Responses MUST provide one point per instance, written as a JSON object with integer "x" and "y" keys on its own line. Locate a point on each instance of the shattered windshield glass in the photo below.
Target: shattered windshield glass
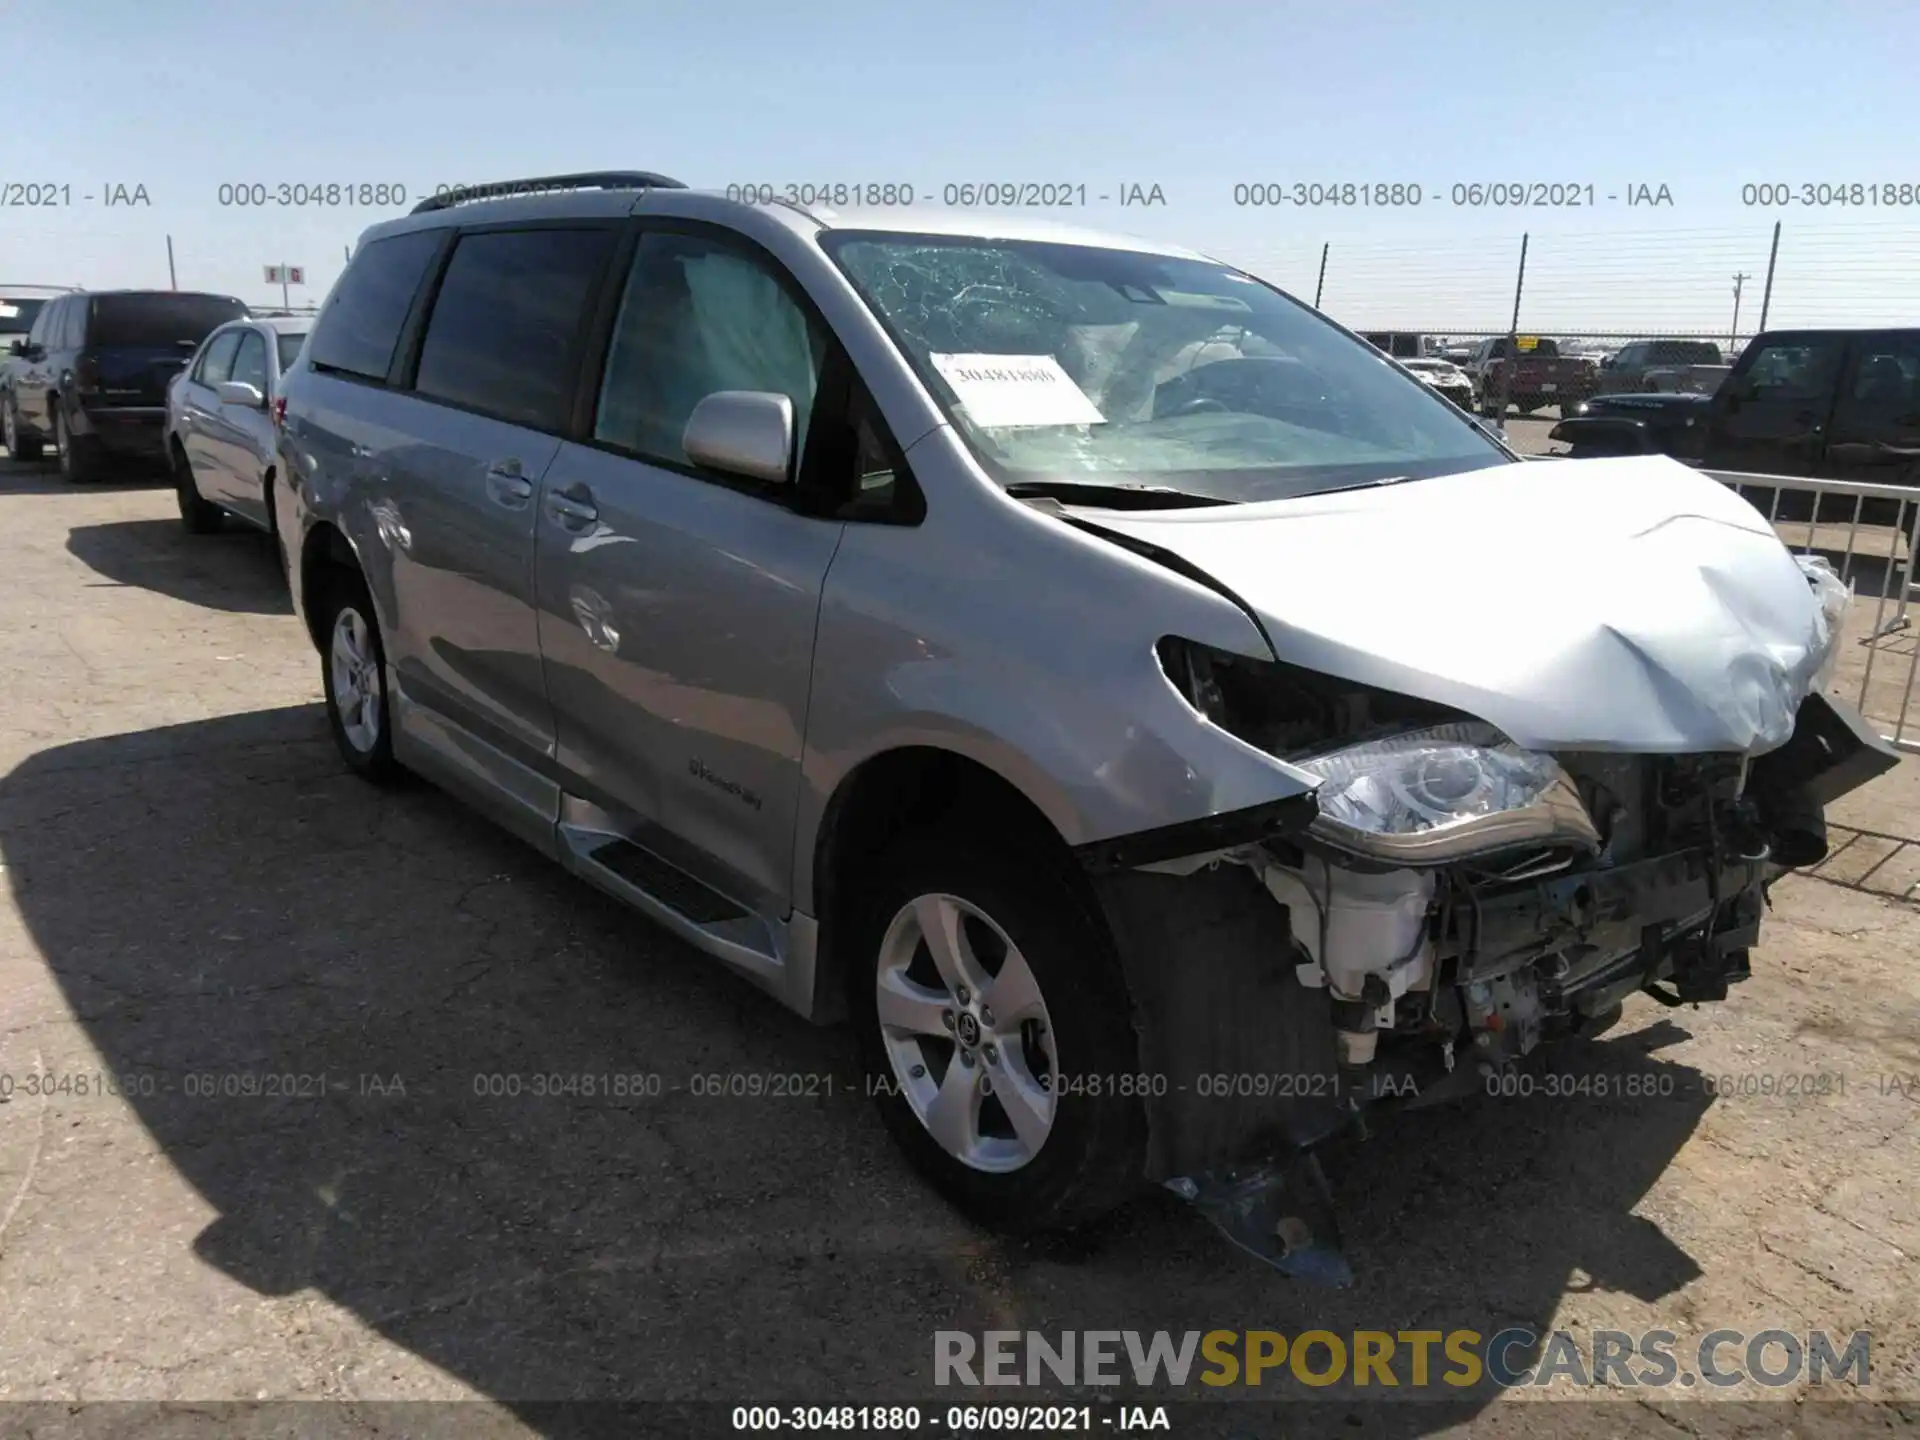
{"x": 1079, "y": 363}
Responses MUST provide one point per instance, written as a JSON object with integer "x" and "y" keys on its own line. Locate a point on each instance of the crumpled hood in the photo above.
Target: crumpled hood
{"x": 1626, "y": 604}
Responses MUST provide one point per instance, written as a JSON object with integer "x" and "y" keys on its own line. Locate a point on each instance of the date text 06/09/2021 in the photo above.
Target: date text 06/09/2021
{"x": 1472, "y": 195}
{"x": 952, "y": 194}
{"x": 950, "y": 1419}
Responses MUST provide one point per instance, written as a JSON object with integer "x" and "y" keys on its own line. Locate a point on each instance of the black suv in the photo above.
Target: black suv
{"x": 92, "y": 374}
{"x": 1811, "y": 404}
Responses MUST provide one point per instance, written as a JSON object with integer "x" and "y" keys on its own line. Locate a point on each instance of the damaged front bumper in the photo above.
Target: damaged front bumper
{"x": 1283, "y": 989}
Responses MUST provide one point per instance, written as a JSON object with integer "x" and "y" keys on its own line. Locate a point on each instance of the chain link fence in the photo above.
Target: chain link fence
{"x": 1721, "y": 284}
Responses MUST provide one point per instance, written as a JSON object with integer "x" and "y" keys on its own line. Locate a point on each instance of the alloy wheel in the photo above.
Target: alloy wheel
{"x": 967, "y": 1033}
{"x": 357, "y": 683}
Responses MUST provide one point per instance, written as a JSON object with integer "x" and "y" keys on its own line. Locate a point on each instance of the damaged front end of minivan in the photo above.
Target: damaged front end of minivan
{"x": 1442, "y": 902}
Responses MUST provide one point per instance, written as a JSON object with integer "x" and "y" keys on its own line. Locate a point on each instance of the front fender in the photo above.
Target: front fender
{"x": 1032, "y": 652}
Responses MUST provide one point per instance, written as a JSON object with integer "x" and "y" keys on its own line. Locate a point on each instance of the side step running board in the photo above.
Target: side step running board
{"x": 690, "y": 908}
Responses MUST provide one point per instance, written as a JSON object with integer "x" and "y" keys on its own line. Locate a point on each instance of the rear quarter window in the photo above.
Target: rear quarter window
{"x": 360, "y": 328}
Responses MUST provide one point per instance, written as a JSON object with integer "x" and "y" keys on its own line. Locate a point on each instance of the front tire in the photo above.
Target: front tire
{"x": 353, "y": 666}
{"x": 199, "y": 515}
{"x": 996, "y": 1033}
{"x": 19, "y": 446}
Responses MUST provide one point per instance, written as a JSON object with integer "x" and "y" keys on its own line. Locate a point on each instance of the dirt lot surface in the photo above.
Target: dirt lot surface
{"x": 199, "y": 901}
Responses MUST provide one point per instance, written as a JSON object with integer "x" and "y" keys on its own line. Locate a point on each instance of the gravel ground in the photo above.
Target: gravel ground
{"x": 197, "y": 894}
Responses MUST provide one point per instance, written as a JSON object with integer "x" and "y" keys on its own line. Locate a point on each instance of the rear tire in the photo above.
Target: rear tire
{"x": 353, "y": 669}
{"x": 200, "y": 515}
{"x": 79, "y": 460}
{"x": 1052, "y": 1056}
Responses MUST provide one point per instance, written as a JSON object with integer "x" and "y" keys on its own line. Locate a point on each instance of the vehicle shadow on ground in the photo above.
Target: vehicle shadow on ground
{"x": 235, "y": 569}
{"x": 411, "y": 971}
{"x": 42, "y": 477}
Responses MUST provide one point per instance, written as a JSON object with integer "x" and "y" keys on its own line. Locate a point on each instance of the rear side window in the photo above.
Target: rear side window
{"x": 69, "y": 325}
{"x": 163, "y": 318}
{"x": 289, "y": 346}
{"x": 503, "y": 338}
{"x": 43, "y": 325}
{"x": 217, "y": 364}
{"x": 361, "y": 327}
{"x": 250, "y": 361}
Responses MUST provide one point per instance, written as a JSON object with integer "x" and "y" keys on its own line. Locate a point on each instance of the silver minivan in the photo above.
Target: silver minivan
{"x": 1163, "y": 728}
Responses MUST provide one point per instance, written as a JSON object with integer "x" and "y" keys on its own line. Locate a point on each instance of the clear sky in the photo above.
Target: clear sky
{"x": 1698, "y": 96}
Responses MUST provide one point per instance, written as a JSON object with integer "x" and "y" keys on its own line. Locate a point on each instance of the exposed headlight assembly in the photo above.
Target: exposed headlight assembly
{"x": 1428, "y": 797}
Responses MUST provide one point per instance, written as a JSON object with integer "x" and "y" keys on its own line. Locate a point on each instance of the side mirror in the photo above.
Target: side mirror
{"x": 18, "y": 347}
{"x": 742, "y": 432}
{"x": 1606, "y": 362}
{"x": 238, "y": 392}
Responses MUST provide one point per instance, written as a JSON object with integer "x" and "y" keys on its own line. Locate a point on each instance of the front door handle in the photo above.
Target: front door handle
{"x": 572, "y": 507}
{"x": 507, "y": 485}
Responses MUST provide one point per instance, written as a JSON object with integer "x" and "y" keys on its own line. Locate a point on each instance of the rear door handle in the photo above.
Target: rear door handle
{"x": 507, "y": 485}
{"x": 572, "y": 507}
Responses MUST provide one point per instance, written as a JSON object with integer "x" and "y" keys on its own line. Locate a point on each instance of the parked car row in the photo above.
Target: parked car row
{"x": 127, "y": 376}
{"x": 90, "y": 377}
{"x": 1103, "y": 681}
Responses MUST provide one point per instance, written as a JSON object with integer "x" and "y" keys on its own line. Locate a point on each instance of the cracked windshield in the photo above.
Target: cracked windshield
{"x": 1124, "y": 368}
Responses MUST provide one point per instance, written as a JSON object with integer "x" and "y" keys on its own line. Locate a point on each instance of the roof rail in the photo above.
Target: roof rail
{"x": 587, "y": 180}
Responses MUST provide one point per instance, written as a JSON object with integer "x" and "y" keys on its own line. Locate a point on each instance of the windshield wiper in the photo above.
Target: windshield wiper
{"x": 1367, "y": 485}
{"x": 1111, "y": 497}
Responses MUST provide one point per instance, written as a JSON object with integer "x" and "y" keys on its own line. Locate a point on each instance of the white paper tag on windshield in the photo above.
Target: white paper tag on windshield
{"x": 1010, "y": 390}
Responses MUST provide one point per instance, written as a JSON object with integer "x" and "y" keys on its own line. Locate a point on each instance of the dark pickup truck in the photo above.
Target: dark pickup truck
{"x": 1818, "y": 404}
{"x": 1542, "y": 376}
{"x": 1650, "y": 367}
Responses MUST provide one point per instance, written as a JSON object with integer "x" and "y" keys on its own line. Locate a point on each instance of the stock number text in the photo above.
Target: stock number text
{"x": 332, "y": 194}
{"x": 1865, "y": 195}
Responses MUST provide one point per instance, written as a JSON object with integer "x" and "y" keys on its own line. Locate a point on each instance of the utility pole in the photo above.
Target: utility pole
{"x": 1738, "y": 281}
{"x": 1766, "y": 297}
{"x": 173, "y": 281}
{"x": 1513, "y": 340}
{"x": 1321, "y": 283}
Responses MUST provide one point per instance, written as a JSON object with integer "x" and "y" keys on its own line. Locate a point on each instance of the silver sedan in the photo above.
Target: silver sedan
{"x": 220, "y": 423}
